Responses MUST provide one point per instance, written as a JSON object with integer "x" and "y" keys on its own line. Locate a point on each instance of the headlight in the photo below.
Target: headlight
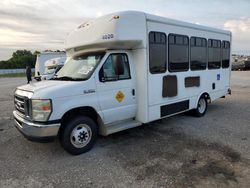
{"x": 41, "y": 109}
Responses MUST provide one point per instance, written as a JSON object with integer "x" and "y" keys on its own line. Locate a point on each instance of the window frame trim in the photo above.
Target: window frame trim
{"x": 199, "y": 47}
{"x": 188, "y": 45}
{"x": 166, "y": 50}
{"x": 214, "y": 48}
{"x": 115, "y": 53}
{"x": 222, "y": 54}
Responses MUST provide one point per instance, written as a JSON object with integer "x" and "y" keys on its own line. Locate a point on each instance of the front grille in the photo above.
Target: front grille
{"x": 19, "y": 122}
{"x": 22, "y": 105}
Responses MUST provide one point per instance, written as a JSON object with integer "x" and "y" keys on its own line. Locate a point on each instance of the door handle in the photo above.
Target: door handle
{"x": 133, "y": 92}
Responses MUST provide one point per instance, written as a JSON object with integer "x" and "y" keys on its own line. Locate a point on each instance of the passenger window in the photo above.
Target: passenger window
{"x": 214, "y": 54}
{"x": 198, "y": 53}
{"x": 178, "y": 53}
{"x": 116, "y": 67}
{"x": 225, "y": 54}
{"x": 157, "y": 52}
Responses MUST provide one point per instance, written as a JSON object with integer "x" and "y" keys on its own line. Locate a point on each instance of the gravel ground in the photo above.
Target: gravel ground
{"x": 181, "y": 151}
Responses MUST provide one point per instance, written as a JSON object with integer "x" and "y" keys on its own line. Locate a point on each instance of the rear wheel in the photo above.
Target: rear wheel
{"x": 79, "y": 135}
{"x": 201, "y": 107}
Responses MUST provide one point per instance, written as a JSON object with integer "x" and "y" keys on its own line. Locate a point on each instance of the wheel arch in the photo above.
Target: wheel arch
{"x": 85, "y": 111}
{"x": 203, "y": 94}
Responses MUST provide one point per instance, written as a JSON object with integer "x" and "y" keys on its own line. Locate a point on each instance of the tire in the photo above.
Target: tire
{"x": 201, "y": 107}
{"x": 79, "y": 135}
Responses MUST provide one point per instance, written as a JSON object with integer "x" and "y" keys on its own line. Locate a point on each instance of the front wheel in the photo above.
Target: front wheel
{"x": 201, "y": 107}
{"x": 79, "y": 135}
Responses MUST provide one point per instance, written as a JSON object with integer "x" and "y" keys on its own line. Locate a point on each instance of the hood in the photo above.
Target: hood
{"x": 37, "y": 86}
{"x": 56, "y": 88}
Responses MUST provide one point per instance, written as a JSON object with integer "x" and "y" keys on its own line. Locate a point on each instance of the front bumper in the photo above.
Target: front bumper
{"x": 36, "y": 131}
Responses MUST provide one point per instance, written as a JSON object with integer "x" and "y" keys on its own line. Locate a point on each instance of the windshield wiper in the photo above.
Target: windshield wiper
{"x": 62, "y": 78}
{"x": 68, "y": 78}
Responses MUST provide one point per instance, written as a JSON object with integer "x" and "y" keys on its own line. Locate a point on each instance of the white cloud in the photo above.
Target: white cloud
{"x": 99, "y": 13}
{"x": 40, "y": 25}
{"x": 16, "y": 37}
{"x": 240, "y": 29}
{"x": 35, "y": 25}
{"x": 240, "y": 25}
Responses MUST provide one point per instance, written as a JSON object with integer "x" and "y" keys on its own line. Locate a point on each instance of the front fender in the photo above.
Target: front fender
{"x": 65, "y": 104}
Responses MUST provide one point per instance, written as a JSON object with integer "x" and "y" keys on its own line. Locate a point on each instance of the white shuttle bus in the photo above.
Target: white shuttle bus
{"x": 41, "y": 59}
{"x": 52, "y": 66}
{"x": 123, "y": 70}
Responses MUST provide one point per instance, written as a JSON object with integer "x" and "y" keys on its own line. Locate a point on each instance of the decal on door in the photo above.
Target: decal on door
{"x": 119, "y": 96}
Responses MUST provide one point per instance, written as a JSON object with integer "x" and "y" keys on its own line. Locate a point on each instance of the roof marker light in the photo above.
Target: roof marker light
{"x": 114, "y": 18}
{"x": 85, "y": 24}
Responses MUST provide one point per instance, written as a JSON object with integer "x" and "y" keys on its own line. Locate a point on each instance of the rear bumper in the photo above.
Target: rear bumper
{"x": 36, "y": 131}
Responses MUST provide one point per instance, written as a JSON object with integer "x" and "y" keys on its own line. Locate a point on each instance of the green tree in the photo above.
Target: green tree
{"x": 19, "y": 59}
{"x": 36, "y": 52}
{"x": 20, "y": 53}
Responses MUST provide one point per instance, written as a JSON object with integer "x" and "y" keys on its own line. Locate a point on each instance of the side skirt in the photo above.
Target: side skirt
{"x": 119, "y": 126}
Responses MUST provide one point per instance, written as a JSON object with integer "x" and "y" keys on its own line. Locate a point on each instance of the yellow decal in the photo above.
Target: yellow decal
{"x": 119, "y": 96}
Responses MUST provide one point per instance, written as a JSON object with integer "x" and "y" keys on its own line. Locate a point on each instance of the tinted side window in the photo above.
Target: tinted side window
{"x": 214, "y": 54}
{"x": 157, "y": 52}
{"x": 178, "y": 53}
{"x": 225, "y": 54}
{"x": 116, "y": 67}
{"x": 198, "y": 53}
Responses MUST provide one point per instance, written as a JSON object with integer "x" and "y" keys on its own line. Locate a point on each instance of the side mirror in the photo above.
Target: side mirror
{"x": 101, "y": 76}
{"x": 118, "y": 64}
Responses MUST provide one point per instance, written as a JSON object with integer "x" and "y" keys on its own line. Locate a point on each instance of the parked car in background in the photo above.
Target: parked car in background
{"x": 243, "y": 65}
{"x": 237, "y": 66}
{"x": 52, "y": 66}
{"x": 247, "y": 65}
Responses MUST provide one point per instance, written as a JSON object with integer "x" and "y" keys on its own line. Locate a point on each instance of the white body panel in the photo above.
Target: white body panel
{"x": 65, "y": 95}
{"x": 207, "y": 77}
{"x": 126, "y": 32}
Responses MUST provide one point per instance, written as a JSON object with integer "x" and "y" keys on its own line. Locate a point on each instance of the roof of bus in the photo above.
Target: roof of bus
{"x": 170, "y": 21}
{"x": 125, "y": 29}
{"x": 55, "y": 61}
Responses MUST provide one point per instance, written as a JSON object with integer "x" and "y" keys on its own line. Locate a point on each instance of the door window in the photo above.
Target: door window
{"x": 116, "y": 67}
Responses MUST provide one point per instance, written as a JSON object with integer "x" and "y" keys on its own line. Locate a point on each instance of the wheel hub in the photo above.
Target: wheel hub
{"x": 202, "y": 105}
{"x": 80, "y": 135}
{"x": 83, "y": 136}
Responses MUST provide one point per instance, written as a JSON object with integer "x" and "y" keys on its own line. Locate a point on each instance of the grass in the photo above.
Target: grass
{"x": 14, "y": 75}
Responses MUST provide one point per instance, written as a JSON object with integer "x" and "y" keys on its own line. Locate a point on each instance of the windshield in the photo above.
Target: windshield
{"x": 49, "y": 70}
{"x": 79, "y": 67}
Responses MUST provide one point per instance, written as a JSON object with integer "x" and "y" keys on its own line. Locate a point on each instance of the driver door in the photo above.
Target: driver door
{"x": 116, "y": 88}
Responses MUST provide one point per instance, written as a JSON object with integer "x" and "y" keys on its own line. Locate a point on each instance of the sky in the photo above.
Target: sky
{"x": 40, "y": 25}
